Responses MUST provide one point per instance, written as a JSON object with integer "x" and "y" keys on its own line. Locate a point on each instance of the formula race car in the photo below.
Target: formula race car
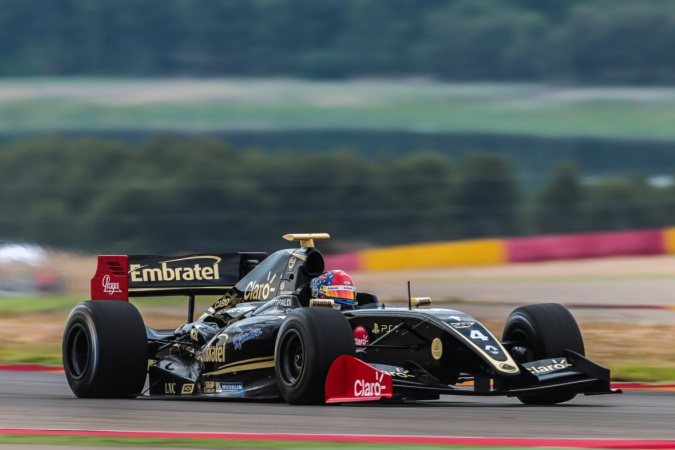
{"x": 267, "y": 338}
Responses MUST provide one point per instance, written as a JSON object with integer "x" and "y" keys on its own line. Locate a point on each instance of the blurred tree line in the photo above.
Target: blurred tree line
{"x": 201, "y": 194}
{"x": 575, "y": 41}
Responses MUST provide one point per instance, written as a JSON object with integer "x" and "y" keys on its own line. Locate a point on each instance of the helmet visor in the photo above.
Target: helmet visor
{"x": 343, "y": 292}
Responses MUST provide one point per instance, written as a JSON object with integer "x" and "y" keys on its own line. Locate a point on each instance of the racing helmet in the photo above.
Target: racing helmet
{"x": 335, "y": 285}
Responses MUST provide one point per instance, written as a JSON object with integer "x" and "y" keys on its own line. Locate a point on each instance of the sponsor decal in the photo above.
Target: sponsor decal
{"x": 400, "y": 373}
{"x": 507, "y": 367}
{"x": 169, "y": 388}
{"x": 213, "y": 387}
{"x": 462, "y": 324}
{"x": 492, "y": 349}
{"x": 213, "y": 353}
{"x": 194, "y": 335}
{"x": 361, "y": 338}
{"x": 188, "y": 388}
{"x": 436, "y": 348}
{"x": 363, "y": 388}
{"x": 555, "y": 365}
{"x": 204, "y": 268}
{"x": 260, "y": 291}
{"x": 230, "y": 387}
{"x": 377, "y": 329}
{"x": 323, "y": 303}
{"x": 224, "y": 301}
{"x": 291, "y": 263}
{"x": 110, "y": 287}
{"x": 210, "y": 387}
{"x": 283, "y": 302}
{"x": 240, "y": 310}
{"x": 240, "y": 338}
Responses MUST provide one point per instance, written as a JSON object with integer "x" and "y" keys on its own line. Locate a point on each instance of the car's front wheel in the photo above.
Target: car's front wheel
{"x": 105, "y": 350}
{"x": 309, "y": 340}
{"x": 542, "y": 331}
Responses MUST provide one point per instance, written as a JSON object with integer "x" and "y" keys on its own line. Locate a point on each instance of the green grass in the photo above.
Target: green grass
{"x": 630, "y": 373}
{"x": 23, "y": 305}
{"x": 46, "y": 354}
{"x": 28, "y": 304}
{"x": 535, "y": 110}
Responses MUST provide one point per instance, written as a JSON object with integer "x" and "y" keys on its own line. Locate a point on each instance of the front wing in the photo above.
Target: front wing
{"x": 352, "y": 380}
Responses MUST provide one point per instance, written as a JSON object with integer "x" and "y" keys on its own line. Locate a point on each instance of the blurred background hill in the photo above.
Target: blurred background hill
{"x": 597, "y": 41}
{"x": 137, "y": 126}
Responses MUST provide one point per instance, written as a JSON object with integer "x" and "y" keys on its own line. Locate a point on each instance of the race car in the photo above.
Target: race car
{"x": 267, "y": 338}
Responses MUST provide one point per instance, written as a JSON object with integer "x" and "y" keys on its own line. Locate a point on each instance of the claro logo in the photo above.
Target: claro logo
{"x": 182, "y": 269}
{"x": 363, "y": 388}
{"x": 260, "y": 291}
{"x": 555, "y": 365}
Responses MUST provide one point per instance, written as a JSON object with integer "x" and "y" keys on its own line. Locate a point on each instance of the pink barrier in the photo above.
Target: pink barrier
{"x": 347, "y": 261}
{"x": 579, "y": 246}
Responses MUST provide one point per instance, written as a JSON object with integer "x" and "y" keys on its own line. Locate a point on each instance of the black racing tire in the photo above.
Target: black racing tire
{"x": 105, "y": 350}
{"x": 309, "y": 340}
{"x": 542, "y": 331}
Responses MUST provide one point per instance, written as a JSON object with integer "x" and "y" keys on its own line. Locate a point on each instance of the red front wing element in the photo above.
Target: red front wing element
{"x": 351, "y": 380}
{"x": 111, "y": 281}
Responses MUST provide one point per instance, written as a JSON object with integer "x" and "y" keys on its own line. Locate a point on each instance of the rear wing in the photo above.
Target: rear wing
{"x": 119, "y": 277}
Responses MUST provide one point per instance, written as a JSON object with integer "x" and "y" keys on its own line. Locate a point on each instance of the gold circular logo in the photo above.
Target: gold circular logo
{"x": 436, "y": 348}
{"x": 508, "y": 367}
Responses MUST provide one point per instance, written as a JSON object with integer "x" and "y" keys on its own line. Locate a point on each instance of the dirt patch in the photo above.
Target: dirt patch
{"x": 617, "y": 344}
{"x": 21, "y": 329}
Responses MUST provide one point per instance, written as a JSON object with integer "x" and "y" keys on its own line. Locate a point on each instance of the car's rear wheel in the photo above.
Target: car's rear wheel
{"x": 105, "y": 350}
{"x": 309, "y": 340}
{"x": 542, "y": 331}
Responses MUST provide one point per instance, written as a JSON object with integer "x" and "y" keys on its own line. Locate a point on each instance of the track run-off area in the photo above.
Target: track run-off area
{"x": 622, "y": 291}
{"x": 41, "y": 403}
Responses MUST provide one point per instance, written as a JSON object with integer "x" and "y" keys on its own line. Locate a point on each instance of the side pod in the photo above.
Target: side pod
{"x": 351, "y": 380}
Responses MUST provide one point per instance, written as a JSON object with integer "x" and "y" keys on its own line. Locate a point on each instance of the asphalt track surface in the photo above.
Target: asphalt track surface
{"x": 33, "y": 400}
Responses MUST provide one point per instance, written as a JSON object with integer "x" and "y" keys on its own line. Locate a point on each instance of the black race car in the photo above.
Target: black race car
{"x": 266, "y": 338}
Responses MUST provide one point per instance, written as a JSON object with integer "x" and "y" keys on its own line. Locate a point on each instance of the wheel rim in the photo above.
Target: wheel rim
{"x": 292, "y": 358}
{"x": 521, "y": 349}
{"x": 78, "y": 351}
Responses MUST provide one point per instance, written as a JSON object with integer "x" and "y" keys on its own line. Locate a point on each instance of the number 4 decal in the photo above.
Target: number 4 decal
{"x": 476, "y": 334}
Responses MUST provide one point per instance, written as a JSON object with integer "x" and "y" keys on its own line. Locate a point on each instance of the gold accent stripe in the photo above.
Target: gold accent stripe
{"x": 246, "y": 364}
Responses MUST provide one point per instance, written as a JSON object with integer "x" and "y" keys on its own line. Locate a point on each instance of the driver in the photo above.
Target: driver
{"x": 335, "y": 285}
